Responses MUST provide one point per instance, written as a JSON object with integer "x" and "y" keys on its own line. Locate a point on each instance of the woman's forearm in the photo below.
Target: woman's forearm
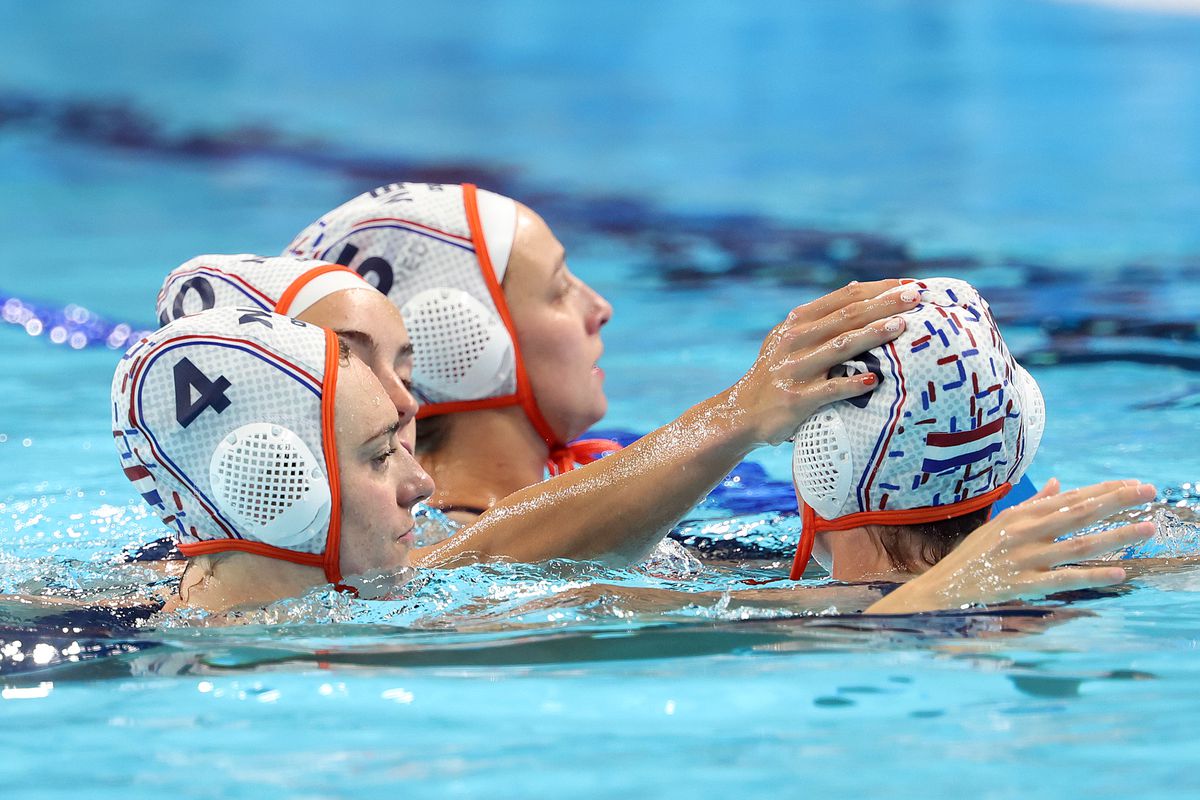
{"x": 620, "y": 507}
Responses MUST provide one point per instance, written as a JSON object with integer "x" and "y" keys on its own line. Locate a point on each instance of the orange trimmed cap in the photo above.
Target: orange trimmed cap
{"x": 951, "y": 426}
{"x": 440, "y": 253}
{"x": 284, "y": 285}
{"x": 223, "y": 422}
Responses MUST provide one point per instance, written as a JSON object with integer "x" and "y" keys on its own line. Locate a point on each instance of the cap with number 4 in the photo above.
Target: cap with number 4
{"x": 223, "y": 421}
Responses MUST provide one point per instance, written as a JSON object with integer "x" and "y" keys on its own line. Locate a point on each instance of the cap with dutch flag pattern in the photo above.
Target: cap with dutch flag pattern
{"x": 952, "y": 425}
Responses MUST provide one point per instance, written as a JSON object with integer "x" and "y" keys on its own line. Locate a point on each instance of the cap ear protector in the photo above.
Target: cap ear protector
{"x": 267, "y": 480}
{"x": 953, "y": 423}
{"x": 823, "y": 462}
{"x": 1033, "y": 418}
{"x": 224, "y": 423}
{"x": 461, "y": 350}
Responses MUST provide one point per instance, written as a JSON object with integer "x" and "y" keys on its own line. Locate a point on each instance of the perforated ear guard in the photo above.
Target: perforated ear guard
{"x": 267, "y": 479}
{"x": 1033, "y": 411}
{"x": 823, "y": 462}
{"x": 462, "y": 350}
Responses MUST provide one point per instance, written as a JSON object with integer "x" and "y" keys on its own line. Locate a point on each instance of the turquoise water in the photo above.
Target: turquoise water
{"x": 708, "y": 167}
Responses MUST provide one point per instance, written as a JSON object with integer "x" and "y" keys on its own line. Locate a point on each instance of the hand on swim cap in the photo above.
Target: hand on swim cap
{"x": 954, "y": 421}
{"x": 1017, "y": 554}
{"x": 790, "y": 379}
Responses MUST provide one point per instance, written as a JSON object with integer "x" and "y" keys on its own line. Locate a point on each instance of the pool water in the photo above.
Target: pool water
{"x": 708, "y": 167}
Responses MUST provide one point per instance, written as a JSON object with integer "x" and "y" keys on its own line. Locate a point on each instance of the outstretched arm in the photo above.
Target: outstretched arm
{"x": 1015, "y": 555}
{"x": 618, "y": 508}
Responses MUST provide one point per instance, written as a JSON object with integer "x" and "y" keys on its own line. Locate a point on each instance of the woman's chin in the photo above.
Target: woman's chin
{"x": 599, "y": 409}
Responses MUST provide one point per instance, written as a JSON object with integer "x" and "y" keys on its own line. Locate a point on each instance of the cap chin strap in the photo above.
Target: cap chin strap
{"x": 578, "y": 453}
{"x": 812, "y": 524}
{"x": 563, "y": 457}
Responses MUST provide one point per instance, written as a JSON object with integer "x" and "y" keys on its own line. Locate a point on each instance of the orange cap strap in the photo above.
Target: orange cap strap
{"x": 813, "y": 524}
{"x": 577, "y": 453}
{"x": 333, "y": 540}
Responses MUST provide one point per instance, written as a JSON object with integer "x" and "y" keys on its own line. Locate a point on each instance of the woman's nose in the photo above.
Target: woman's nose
{"x": 418, "y": 485}
{"x": 601, "y": 312}
{"x": 406, "y": 405}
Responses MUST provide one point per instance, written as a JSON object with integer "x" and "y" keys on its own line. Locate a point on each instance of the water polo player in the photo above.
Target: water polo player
{"x": 270, "y": 453}
{"x": 507, "y": 338}
{"x": 888, "y": 483}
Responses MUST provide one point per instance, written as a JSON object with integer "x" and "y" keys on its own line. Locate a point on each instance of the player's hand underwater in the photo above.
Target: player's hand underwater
{"x": 1016, "y": 555}
{"x": 790, "y": 379}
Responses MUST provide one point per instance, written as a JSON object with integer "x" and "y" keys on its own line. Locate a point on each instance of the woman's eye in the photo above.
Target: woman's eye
{"x": 382, "y": 458}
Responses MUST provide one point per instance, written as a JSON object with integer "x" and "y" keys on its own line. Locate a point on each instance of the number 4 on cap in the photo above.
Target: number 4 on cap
{"x": 211, "y": 393}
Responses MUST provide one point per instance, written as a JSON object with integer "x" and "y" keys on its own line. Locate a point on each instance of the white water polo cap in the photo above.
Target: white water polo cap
{"x": 440, "y": 253}
{"x": 284, "y": 285}
{"x": 952, "y": 425}
{"x": 224, "y": 422}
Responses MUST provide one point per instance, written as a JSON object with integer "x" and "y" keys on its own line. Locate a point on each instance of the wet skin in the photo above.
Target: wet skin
{"x": 374, "y": 330}
{"x": 558, "y": 319}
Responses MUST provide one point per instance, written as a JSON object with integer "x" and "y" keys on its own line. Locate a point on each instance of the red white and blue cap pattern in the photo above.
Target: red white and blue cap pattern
{"x": 284, "y": 285}
{"x": 223, "y": 422}
{"x": 953, "y": 423}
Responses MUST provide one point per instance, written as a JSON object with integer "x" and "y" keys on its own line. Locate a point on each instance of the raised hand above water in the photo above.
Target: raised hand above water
{"x": 1018, "y": 555}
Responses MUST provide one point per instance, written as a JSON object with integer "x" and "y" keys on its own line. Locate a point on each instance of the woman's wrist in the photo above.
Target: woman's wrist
{"x": 724, "y": 423}
{"x": 907, "y": 599}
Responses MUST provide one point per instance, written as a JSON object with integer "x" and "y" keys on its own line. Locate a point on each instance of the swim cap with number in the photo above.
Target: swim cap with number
{"x": 223, "y": 421}
{"x": 951, "y": 426}
{"x": 284, "y": 285}
{"x": 440, "y": 253}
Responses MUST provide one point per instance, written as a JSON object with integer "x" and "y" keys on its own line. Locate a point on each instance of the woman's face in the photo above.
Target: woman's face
{"x": 557, "y": 319}
{"x": 380, "y": 481}
{"x": 372, "y": 327}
